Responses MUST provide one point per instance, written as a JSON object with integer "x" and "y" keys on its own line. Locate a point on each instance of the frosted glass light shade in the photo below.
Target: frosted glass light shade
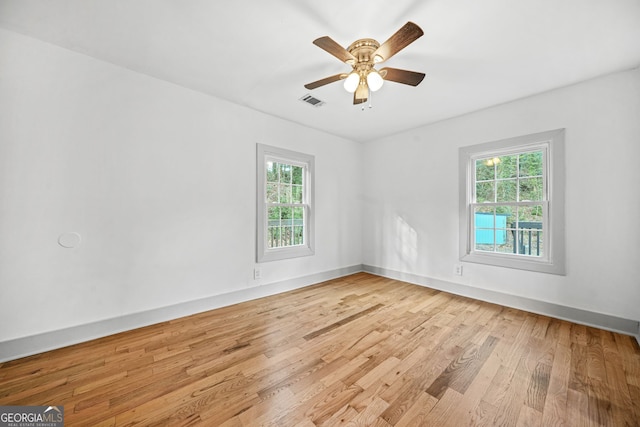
{"x": 351, "y": 82}
{"x": 374, "y": 80}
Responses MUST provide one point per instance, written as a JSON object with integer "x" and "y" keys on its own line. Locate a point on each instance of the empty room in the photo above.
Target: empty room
{"x": 303, "y": 213}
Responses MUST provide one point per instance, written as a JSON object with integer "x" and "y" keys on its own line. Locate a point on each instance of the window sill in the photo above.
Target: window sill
{"x": 516, "y": 262}
{"x": 284, "y": 253}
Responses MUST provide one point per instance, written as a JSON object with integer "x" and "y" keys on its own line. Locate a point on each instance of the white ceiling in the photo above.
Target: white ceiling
{"x": 260, "y": 53}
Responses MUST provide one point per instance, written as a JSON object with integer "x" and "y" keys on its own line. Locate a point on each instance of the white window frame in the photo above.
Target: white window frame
{"x": 553, "y": 258}
{"x": 266, "y": 153}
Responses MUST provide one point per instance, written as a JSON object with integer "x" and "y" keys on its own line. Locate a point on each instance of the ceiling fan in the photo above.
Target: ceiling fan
{"x": 363, "y": 55}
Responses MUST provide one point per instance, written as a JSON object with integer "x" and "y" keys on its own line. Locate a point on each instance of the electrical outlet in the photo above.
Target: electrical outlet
{"x": 257, "y": 273}
{"x": 457, "y": 269}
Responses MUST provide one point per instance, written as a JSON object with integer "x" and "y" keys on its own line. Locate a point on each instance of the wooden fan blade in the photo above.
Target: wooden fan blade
{"x": 361, "y": 94}
{"x": 329, "y": 45}
{"x": 412, "y": 78}
{"x": 401, "y": 39}
{"x": 325, "y": 81}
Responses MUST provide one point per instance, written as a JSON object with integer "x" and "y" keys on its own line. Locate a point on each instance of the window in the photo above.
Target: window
{"x": 512, "y": 202}
{"x": 285, "y": 204}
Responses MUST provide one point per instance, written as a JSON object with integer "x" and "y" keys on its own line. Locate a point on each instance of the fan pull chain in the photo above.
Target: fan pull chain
{"x": 370, "y": 102}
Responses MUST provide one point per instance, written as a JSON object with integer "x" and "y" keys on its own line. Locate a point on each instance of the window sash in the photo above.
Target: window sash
{"x": 303, "y": 224}
{"x": 544, "y": 227}
{"x": 532, "y": 148}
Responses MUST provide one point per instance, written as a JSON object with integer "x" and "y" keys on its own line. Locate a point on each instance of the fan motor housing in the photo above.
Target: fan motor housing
{"x": 363, "y": 49}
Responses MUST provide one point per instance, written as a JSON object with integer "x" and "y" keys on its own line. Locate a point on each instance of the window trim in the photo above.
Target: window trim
{"x": 554, "y": 259}
{"x": 265, "y": 153}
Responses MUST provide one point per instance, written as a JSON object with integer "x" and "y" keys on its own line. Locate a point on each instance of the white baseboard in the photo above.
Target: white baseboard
{"x": 576, "y": 315}
{"x": 34, "y": 344}
{"x": 26, "y": 346}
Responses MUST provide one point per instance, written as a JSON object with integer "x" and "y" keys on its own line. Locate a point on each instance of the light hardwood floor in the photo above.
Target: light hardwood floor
{"x": 358, "y": 351}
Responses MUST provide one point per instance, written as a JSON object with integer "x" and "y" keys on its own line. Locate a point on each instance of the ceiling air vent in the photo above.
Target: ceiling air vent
{"x": 312, "y": 101}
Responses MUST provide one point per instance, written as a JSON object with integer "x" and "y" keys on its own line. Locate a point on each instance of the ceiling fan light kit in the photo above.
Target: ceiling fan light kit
{"x": 362, "y": 55}
{"x": 351, "y": 82}
{"x": 374, "y": 80}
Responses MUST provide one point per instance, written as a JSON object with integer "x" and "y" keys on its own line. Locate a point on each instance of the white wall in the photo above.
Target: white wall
{"x": 411, "y": 196}
{"x": 158, "y": 180}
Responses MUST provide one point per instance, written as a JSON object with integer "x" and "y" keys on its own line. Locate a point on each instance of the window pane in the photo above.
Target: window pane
{"x": 272, "y": 193}
{"x": 273, "y": 237}
{"x": 287, "y": 236}
{"x": 298, "y": 235}
{"x": 529, "y": 240}
{"x": 298, "y": 215}
{"x": 285, "y": 214}
{"x": 274, "y": 217}
{"x": 285, "y": 173}
{"x": 531, "y": 189}
{"x": 296, "y": 232}
{"x": 484, "y": 228}
{"x": 494, "y": 229}
{"x": 297, "y": 175}
{"x": 506, "y": 191}
{"x": 539, "y": 249}
{"x": 484, "y": 170}
{"x": 296, "y": 194}
{"x": 530, "y": 214}
{"x": 531, "y": 164}
{"x": 484, "y": 216}
{"x": 507, "y": 167}
{"x": 484, "y": 240}
{"x": 506, "y": 228}
{"x": 485, "y": 192}
{"x": 508, "y": 212}
{"x": 272, "y": 172}
{"x": 285, "y": 193}
{"x": 530, "y": 230}
{"x": 508, "y": 245}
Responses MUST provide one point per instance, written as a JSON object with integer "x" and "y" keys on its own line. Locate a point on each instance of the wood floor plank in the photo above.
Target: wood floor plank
{"x": 341, "y": 417}
{"x": 538, "y": 386}
{"x": 439, "y": 414}
{"x": 462, "y": 413}
{"x": 416, "y": 413}
{"x": 361, "y": 350}
{"x": 578, "y": 408}
{"x": 512, "y": 401}
{"x": 342, "y": 322}
{"x": 322, "y": 409}
{"x": 378, "y": 372}
{"x": 621, "y": 396}
{"x": 369, "y": 415}
{"x": 529, "y": 417}
{"x": 635, "y": 407}
{"x": 483, "y": 415}
{"x": 579, "y": 376}
{"x": 555, "y": 405}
